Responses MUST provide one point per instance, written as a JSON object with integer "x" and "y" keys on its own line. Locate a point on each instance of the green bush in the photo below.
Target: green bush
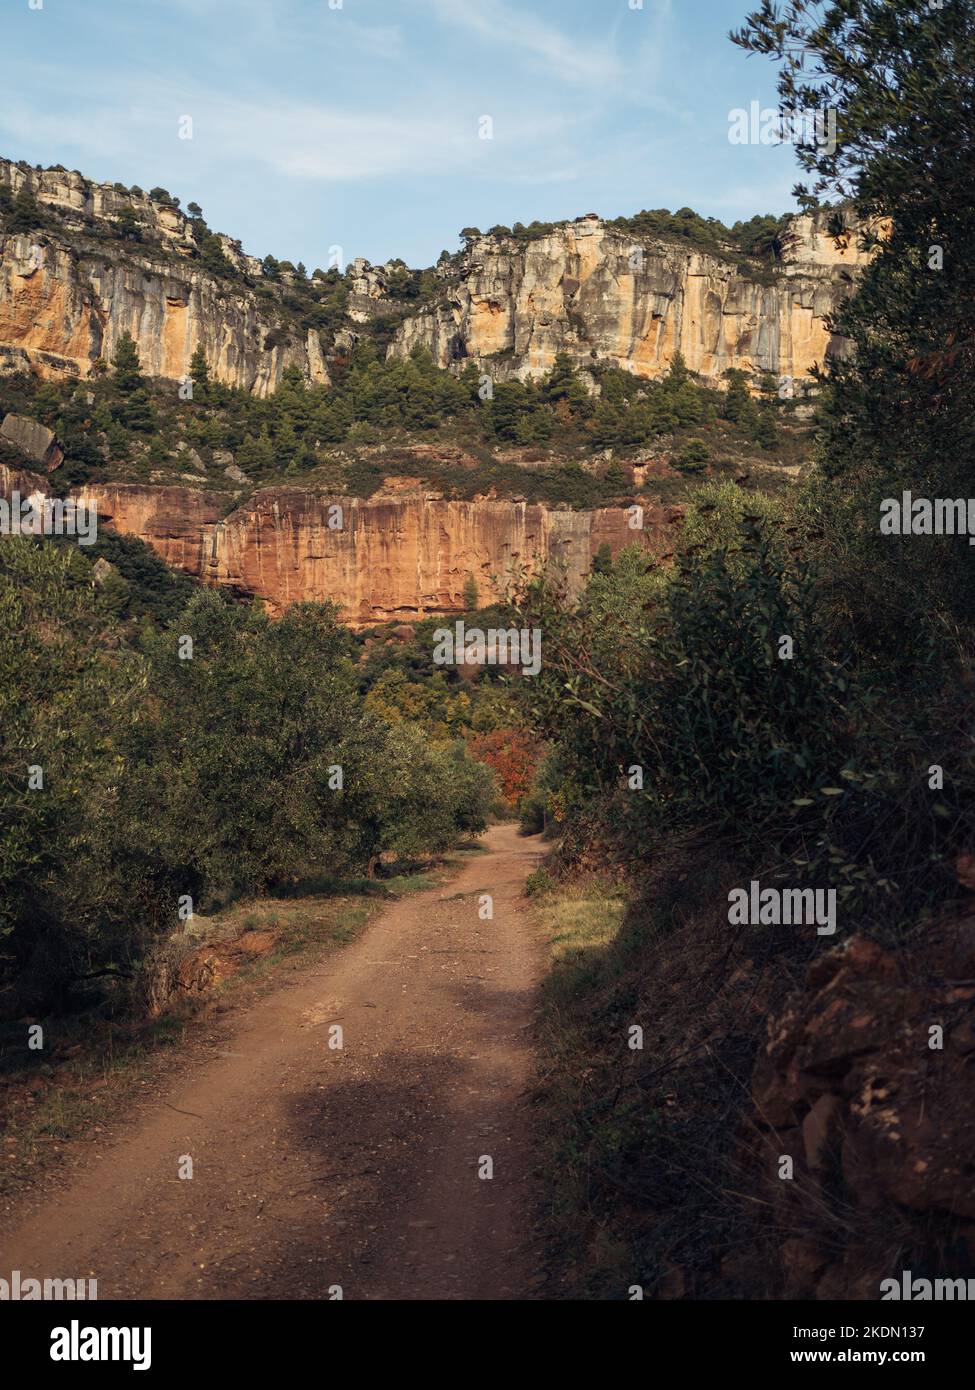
{"x": 168, "y": 775}
{"x": 692, "y": 457}
{"x": 748, "y": 714}
{"x": 539, "y": 881}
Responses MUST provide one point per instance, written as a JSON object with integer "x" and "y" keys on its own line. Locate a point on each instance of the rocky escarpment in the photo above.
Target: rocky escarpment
{"x": 72, "y": 288}
{"x": 378, "y": 559}
{"x": 865, "y": 1084}
{"x": 595, "y": 292}
{"x": 106, "y": 260}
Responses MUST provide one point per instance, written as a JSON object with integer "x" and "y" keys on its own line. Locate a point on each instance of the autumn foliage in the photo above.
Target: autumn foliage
{"x": 512, "y": 756}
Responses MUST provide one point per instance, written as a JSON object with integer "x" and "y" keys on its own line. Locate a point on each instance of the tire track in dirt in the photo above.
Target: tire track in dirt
{"x": 315, "y": 1167}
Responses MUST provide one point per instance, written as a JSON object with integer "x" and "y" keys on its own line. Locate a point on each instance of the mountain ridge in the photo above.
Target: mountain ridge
{"x": 82, "y": 263}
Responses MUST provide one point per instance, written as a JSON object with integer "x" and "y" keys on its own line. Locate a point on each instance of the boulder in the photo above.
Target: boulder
{"x": 102, "y": 570}
{"x": 33, "y": 439}
{"x": 867, "y": 1065}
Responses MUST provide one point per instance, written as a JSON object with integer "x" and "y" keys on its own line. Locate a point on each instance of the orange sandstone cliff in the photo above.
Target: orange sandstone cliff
{"x": 403, "y": 557}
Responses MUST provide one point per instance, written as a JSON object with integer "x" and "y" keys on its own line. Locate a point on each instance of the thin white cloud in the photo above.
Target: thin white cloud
{"x": 581, "y": 62}
{"x": 310, "y": 141}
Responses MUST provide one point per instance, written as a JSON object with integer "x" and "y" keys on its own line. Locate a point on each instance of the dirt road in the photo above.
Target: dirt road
{"x": 315, "y": 1167}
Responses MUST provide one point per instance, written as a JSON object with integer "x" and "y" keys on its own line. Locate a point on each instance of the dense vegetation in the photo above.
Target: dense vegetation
{"x": 351, "y": 435}
{"x": 139, "y": 770}
{"x": 790, "y": 698}
{"x": 764, "y": 237}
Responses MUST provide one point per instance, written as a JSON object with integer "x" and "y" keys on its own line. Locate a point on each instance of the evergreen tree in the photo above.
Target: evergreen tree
{"x": 127, "y": 364}
{"x": 199, "y": 373}
{"x": 128, "y": 225}
{"x": 738, "y": 406}
{"x": 678, "y": 374}
{"x": 24, "y": 214}
{"x": 257, "y": 455}
{"x": 615, "y": 478}
{"x": 602, "y": 561}
{"x": 133, "y": 407}
{"x": 213, "y": 256}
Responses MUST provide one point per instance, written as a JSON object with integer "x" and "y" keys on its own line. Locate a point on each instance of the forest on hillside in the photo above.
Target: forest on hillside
{"x": 121, "y": 426}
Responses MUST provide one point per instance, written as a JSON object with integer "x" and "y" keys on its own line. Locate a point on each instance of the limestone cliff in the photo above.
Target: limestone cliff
{"x": 71, "y": 289}
{"x": 402, "y": 557}
{"x": 591, "y": 290}
{"x": 109, "y": 260}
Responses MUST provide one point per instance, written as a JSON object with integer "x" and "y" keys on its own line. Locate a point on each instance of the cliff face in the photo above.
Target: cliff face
{"x": 592, "y": 291}
{"x": 70, "y": 291}
{"x": 392, "y": 558}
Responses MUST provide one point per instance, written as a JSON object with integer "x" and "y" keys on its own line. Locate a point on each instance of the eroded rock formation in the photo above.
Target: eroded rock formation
{"x": 400, "y": 557}
{"x": 32, "y": 439}
{"x": 592, "y": 291}
{"x": 69, "y": 292}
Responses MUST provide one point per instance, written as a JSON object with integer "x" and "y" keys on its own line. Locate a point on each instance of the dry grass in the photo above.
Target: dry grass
{"x": 640, "y": 1150}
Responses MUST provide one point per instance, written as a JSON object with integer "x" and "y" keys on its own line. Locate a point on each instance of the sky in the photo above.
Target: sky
{"x": 360, "y": 124}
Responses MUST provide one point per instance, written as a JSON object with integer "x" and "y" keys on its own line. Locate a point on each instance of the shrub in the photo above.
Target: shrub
{"x": 165, "y": 778}
{"x": 692, "y": 457}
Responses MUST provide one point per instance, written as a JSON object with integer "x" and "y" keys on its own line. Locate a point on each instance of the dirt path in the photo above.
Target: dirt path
{"x": 315, "y": 1167}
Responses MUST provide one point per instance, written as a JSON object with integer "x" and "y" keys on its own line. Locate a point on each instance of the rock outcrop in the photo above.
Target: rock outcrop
{"x": 23, "y": 481}
{"x": 109, "y": 260}
{"x": 866, "y": 1085}
{"x": 380, "y": 559}
{"x": 594, "y": 292}
{"x": 32, "y": 439}
{"x": 70, "y": 291}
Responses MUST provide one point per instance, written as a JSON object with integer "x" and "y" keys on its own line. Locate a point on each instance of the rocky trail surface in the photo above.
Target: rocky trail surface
{"x": 314, "y": 1166}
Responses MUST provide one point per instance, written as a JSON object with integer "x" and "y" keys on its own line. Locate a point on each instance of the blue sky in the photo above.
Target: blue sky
{"x": 356, "y": 124}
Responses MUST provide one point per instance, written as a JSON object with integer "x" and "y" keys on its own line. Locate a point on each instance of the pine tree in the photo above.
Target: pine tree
{"x": 602, "y": 561}
{"x": 25, "y": 215}
{"x": 615, "y": 478}
{"x": 199, "y": 373}
{"x": 213, "y": 256}
{"x": 127, "y": 224}
{"x": 128, "y": 367}
{"x": 257, "y": 455}
{"x": 678, "y": 373}
{"x": 738, "y": 405}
